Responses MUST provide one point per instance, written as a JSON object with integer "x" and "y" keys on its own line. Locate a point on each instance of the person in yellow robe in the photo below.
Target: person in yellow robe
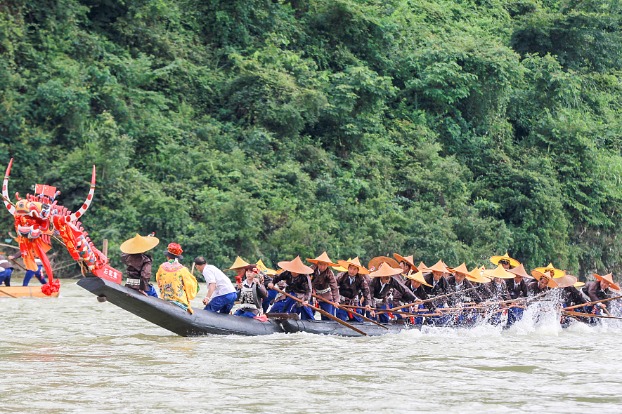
{"x": 176, "y": 283}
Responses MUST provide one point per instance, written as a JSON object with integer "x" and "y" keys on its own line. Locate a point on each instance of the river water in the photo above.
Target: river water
{"x": 74, "y": 355}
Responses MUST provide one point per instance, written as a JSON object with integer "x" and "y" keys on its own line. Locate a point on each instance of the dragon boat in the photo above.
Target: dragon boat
{"x": 201, "y": 322}
{"x": 24, "y": 292}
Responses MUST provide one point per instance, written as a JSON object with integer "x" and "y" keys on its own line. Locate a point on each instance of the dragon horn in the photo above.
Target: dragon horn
{"x": 87, "y": 202}
{"x": 5, "y": 190}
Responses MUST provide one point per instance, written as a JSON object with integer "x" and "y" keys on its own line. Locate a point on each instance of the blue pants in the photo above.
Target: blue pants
{"x": 514, "y": 315}
{"x": 383, "y": 317}
{"x": 345, "y": 316}
{"x": 36, "y": 273}
{"x": 266, "y": 302}
{"x": 222, "y": 303}
{"x": 152, "y": 291}
{"x": 242, "y": 312}
{"x": 289, "y": 306}
{"x": 327, "y": 307}
{"x": 5, "y": 276}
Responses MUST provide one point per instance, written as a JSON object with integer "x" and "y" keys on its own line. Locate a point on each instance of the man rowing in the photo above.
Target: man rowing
{"x": 352, "y": 286}
{"x": 296, "y": 275}
{"x": 383, "y": 283}
{"x": 324, "y": 283}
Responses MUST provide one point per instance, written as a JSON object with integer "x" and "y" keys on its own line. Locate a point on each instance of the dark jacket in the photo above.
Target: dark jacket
{"x": 519, "y": 290}
{"x": 595, "y": 291}
{"x": 299, "y": 286}
{"x": 349, "y": 291}
{"x": 384, "y": 294}
{"x": 466, "y": 295}
{"x": 499, "y": 291}
{"x": 323, "y": 281}
{"x": 441, "y": 287}
{"x": 138, "y": 266}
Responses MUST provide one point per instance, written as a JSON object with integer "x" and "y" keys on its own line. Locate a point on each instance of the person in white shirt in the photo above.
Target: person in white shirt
{"x": 221, "y": 294}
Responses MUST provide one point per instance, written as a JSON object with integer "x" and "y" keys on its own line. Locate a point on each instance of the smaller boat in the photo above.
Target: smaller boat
{"x": 24, "y": 292}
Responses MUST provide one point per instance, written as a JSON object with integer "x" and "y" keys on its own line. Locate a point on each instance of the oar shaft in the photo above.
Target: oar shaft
{"x": 365, "y": 318}
{"x": 322, "y": 311}
{"x": 592, "y": 303}
{"x": 419, "y": 302}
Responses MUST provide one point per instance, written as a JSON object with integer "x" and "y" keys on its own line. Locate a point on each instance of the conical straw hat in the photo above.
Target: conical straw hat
{"x": 475, "y": 275}
{"x": 296, "y": 266}
{"x": 579, "y": 284}
{"x": 520, "y": 271}
{"x": 408, "y": 259}
{"x": 496, "y": 259}
{"x": 323, "y": 258}
{"x": 238, "y": 264}
{"x": 139, "y": 244}
{"x": 378, "y": 260}
{"x": 609, "y": 278}
{"x": 422, "y": 267}
{"x": 354, "y": 262}
{"x": 418, "y": 277}
{"x": 499, "y": 272}
{"x": 538, "y": 275}
{"x": 556, "y": 272}
{"x": 385, "y": 270}
{"x": 340, "y": 268}
{"x": 438, "y": 267}
{"x": 462, "y": 269}
{"x": 261, "y": 266}
{"x": 566, "y": 281}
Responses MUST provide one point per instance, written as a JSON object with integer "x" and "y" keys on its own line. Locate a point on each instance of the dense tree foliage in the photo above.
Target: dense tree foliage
{"x": 446, "y": 129}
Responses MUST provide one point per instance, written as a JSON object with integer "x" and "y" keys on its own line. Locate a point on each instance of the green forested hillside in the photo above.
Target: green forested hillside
{"x": 447, "y": 129}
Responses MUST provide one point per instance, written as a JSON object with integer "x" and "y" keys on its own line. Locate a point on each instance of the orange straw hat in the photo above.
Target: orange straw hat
{"x": 496, "y": 259}
{"x": 499, "y": 272}
{"x": 295, "y": 266}
{"x": 462, "y": 269}
{"x": 475, "y": 275}
{"x": 261, "y": 266}
{"x": 139, "y": 244}
{"x": 385, "y": 271}
{"x": 609, "y": 278}
{"x": 520, "y": 271}
{"x": 354, "y": 262}
{"x": 408, "y": 259}
{"x": 566, "y": 281}
{"x": 438, "y": 267}
{"x": 239, "y": 263}
{"x": 378, "y": 260}
{"x": 422, "y": 267}
{"x": 323, "y": 258}
{"x": 550, "y": 268}
{"x": 418, "y": 277}
{"x": 539, "y": 275}
{"x": 340, "y": 268}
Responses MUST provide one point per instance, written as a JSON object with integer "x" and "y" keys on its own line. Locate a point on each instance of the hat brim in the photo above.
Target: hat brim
{"x": 139, "y": 244}
{"x": 497, "y": 259}
{"x": 317, "y": 262}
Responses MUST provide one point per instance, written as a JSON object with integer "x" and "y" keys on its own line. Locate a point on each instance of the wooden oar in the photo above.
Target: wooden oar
{"x": 591, "y": 303}
{"x": 589, "y": 315}
{"x": 365, "y": 318}
{"x": 322, "y": 311}
{"x": 419, "y": 302}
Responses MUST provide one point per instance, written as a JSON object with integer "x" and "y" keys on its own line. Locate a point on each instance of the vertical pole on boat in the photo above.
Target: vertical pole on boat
{"x": 105, "y": 248}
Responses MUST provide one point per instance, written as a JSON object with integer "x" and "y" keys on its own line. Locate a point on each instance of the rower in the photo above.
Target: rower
{"x": 251, "y": 293}
{"x": 465, "y": 292}
{"x": 296, "y": 275}
{"x": 416, "y": 283}
{"x": 324, "y": 283}
{"x": 384, "y": 283}
{"x": 518, "y": 288}
{"x": 601, "y": 288}
{"x": 138, "y": 263}
{"x": 352, "y": 284}
{"x": 544, "y": 283}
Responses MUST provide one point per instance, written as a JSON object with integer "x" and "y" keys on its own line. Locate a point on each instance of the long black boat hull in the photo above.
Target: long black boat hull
{"x": 335, "y": 328}
{"x": 172, "y": 317}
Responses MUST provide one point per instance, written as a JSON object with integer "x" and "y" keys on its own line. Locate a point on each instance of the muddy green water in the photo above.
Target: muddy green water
{"x": 75, "y": 355}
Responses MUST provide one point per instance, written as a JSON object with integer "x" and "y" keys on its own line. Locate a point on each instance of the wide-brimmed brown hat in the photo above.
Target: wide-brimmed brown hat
{"x": 476, "y": 276}
{"x": 354, "y": 262}
{"x": 295, "y": 266}
{"x": 139, "y": 244}
{"x": 539, "y": 275}
{"x": 566, "y": 281}
{"x": 378, "y": 260}
{"x": 408, "y": 259}
{"x": 520, "y": 271}
{"x": 550, "y": 268}
{"x": 462, "y": 269}
{"x": 439, "y": 266}
{"x": 496, "y": 259}
{"x": 418, "y": 277}
{"x": 261, "y": 266}
{"x": 323, "y": 258}
{"x": 239, "y": 263}
{"x": 498, "y": 272}
{"x": 385, "y": 271}
{"x": 609, "y": 278}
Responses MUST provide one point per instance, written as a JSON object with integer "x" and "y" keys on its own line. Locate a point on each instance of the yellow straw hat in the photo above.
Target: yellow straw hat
{"x": 238, "y": 264}
{"x": 539, "y": 275}
{"x": 422, "y": 267}
{"x": 499, "y": 272}
{"x": 579, "y": 284}
{"x": 408, "y": 259}
{"x": 520, "y": 271}
{"x": 550, "y": 268}
{"x": 139, "y": 244}
{"x": 296, "y": 266}
{"x": 377, "y": 261}
{"x": 261, "y": 266}
{"x": 354, "y": 262}
{"x": 385, "y": 271}
{"x": 340, "y": 268}
{"x": 609, "y": 278}
{"x": 496, "y": 259}
{"x": 323, "y": 258}
{"x": 418, "y": 277}
{"x": 475, "y": 275}
{"x": 462, "y": 269}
